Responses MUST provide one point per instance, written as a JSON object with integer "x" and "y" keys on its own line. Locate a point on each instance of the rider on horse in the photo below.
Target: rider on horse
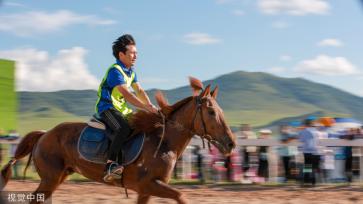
{"x": 113, "y": 93}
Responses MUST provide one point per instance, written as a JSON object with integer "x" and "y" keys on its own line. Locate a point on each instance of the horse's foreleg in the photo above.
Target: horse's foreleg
{"x": 142, "y": 199}
{"x": 161, "y": 189}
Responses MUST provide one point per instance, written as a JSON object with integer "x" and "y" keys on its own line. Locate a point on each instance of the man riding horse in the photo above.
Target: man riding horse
{"x": 56, "y": 155}
{"x": 113, "y": 93}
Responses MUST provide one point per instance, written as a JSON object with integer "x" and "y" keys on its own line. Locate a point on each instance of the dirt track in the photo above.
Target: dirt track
{"x": 98, "y": 193}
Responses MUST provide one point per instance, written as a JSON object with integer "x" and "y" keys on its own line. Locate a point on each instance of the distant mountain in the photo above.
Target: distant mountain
{"x": 77, "y": 102}
{"x": 246, "y": 97}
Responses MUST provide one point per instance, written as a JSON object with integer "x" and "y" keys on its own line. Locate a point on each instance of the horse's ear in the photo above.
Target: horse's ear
{"x": 214, "y": 93}
{"x": 206, "y": 91}
{"x": 196, "y": 85}
{"x": 162, "y": 102}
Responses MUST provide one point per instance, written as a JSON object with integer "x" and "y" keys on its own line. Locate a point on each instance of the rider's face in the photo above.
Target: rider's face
{"x": 129, "y": 58}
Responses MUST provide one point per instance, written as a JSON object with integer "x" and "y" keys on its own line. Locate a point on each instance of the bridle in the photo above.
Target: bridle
{"x": 205, "y": 135}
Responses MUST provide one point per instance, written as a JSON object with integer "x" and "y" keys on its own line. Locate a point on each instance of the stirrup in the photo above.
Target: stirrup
{"x": 113, "y": 172}
{"x": 118, "y": 170}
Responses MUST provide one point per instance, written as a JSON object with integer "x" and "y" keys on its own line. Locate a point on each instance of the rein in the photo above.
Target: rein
{"x": 162, "y": 134}
{"x": 191, "y": 129}
{"x": 205, "y": 134}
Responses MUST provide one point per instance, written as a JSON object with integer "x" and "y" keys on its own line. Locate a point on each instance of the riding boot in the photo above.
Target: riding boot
{"x": 121, "y": 130}
{"x": 115, "y": 168}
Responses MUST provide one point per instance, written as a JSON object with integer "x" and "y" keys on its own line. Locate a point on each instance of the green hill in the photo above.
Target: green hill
{"x": 251, "y": 97}
{"x": 79, "y": 103}
{"x": 260, "y": 98}
{"x": 44, "y": 110}
{"x": 246, "y": 97}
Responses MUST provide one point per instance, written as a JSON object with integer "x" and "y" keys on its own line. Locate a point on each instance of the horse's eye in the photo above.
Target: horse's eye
{"x": 212, "y": 112}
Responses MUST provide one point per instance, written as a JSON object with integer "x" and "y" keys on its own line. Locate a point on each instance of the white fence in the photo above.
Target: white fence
{"x": 322, "y": 142}
{"x": 273, "y": 156}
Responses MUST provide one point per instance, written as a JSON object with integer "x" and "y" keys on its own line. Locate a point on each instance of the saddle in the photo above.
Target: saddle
{"x": 94, "y": 142}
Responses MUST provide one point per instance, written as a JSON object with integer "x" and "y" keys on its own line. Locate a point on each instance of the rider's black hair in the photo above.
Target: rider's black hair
{"x": 120, "y": 44}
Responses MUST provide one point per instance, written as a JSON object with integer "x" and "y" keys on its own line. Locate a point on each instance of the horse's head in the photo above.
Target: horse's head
{"x": 207, "y": 118}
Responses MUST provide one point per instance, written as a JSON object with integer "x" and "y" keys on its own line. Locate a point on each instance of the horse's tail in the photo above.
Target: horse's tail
{"x": 24, "y": 148}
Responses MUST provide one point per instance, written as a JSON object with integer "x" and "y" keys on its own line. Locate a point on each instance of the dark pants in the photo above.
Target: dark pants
{"x": 348, "y": 163}
{"x": 120, "y": 131}
{"x": 286, "y": 162}
{"x": 228, "y": 166}
{"x": 200, "y": 167}
{"x": 348, "y": 168}
{"x": 263, "y": 162}
{"x": 311, "y": 167}
{"x": 246, "y": 160}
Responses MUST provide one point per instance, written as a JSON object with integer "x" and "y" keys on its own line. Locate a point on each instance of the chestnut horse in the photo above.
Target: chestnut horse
{"x": 55, "y": 154}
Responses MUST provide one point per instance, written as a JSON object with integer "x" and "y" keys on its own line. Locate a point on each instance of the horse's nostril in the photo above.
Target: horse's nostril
{"x": 231, "y": 145}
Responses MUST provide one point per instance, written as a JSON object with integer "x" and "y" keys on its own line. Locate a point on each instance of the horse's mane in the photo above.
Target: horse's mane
{"x": 144, "y": 121}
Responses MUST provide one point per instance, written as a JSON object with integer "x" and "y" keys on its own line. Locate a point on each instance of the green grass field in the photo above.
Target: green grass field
{"x": 8, "y": 97}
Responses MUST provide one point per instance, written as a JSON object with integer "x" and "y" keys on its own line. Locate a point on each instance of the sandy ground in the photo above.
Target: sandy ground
{"x": 93, "y": 193}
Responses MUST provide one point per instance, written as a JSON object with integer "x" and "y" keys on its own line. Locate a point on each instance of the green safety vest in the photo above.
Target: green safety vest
{"x": 117, "y": 98}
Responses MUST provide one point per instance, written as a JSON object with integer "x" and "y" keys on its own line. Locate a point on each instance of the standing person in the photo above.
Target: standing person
{"x": 228, "y": 167}
{"x": 213, "y": 165}
{"x": 247, "y": 152}
{"x": 113, "y": 93}
{"x": 199, "y": 158}
{"x": 348, "y": 153}
{"x": 309, "y": 137}
{"x": 326, "y": 155}
{"x": 263, "y": 168}
{"x": 286, "y": 154}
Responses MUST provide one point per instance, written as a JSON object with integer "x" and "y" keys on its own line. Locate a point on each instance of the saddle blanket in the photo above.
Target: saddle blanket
{"x": 93, "y": 145}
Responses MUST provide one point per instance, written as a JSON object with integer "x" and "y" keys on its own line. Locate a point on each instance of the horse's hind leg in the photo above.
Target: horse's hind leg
{"x": 48, "y": 185}
{"x": 52, "y": 173}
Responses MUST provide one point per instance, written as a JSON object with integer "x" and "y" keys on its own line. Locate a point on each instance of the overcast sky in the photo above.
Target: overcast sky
{"x": 67, "y": 44}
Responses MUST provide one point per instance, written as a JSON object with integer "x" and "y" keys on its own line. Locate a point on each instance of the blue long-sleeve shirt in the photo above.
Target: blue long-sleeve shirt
{"x": 309, "y": 137}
